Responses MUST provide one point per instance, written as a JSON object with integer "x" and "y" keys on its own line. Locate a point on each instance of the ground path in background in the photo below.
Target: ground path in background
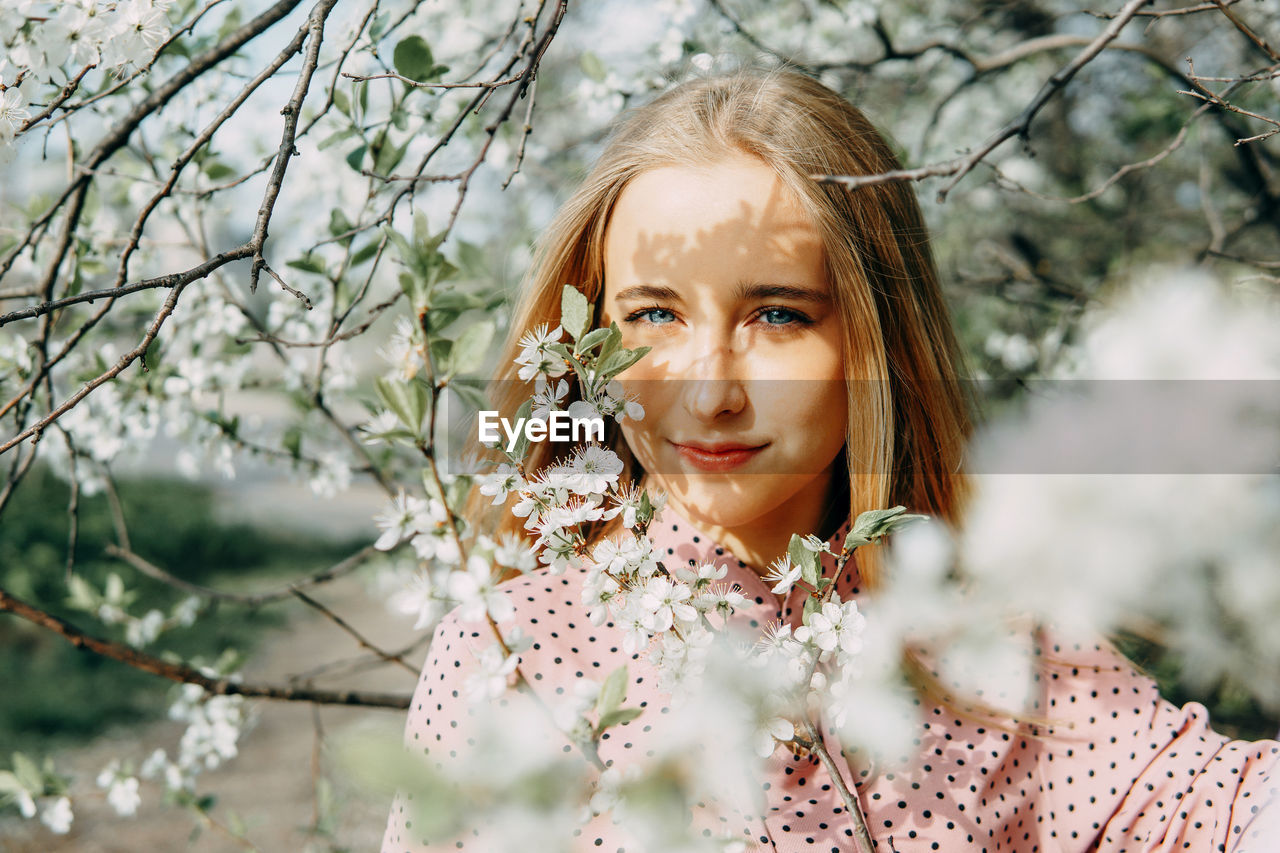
{"x": 270, "y": 784}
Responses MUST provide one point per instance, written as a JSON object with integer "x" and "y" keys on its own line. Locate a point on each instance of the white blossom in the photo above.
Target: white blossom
{"x": 534, "y": 356}
{"x": 501, "y": 483}
{"x": 594, "y": 469}
{"x": 782, "y": 574}
{"x": 406, "y": 516}
{"x": 476, "y": 591}
{"x": 489, "y": 680}
{"x": 665, "y": 603}
{"x": 57, "y": 815}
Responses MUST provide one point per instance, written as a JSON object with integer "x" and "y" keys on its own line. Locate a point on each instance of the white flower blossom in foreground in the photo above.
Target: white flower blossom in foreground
{"x": 122, "y": 789}
{"x": 501, "y": 483}
{"x": 782, "y": 574}
{"x": 26, "y": 805}
{"x": 13, "y": 112}
{"x": 57, "y": 815}
{"x": 403, "y": 518}
{"x": 535, "y": 359}
{"x": 489, "y": 681}
{"x": 476, "y": 591}
{"x": 594, "y": 469}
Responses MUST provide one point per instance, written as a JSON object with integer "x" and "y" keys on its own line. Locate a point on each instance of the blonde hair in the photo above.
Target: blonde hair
{"x": 909, "y": 416}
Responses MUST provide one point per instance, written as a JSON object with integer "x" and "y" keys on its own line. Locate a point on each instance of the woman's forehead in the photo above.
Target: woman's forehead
{"x": 734, "y": 218}
{"x": 738, "y": 187}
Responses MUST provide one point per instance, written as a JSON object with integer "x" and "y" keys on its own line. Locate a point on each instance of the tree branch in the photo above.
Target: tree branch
{"x": 290, "y": 111}
{"x": 151, "y": 570}
{"x": 185, "y": 674}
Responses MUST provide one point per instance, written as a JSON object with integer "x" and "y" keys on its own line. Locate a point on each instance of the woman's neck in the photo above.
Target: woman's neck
{"x": 762, "y": 540}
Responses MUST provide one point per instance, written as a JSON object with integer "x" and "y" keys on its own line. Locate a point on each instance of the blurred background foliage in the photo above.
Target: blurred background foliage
{"x": 57, "y": 695}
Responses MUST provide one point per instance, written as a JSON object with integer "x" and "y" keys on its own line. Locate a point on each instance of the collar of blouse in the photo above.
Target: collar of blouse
{"x": 678, "y": 543}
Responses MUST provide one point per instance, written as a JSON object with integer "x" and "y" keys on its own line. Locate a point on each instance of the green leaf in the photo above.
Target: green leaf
{"x": 412, "y": 58}
{"x": 456, "y": 300}
{"x": 338, "y": 136}
{"x": 407, "y": 399}
{"x": 809, "y": 563}
{"x": 593, "y": 66}
{"x": 471, "y": 258}
{"x": 308, "y": 263}
{"x": 874, "y": 523}
{"x": 575, "y": 312}
{"x": 342, "y": 102}
{"x": 439, "y": 350}
{"x": 612, "y": 692}
{"x": 611, "y": 343}
{"x": 9, "y": 784}
{"x": 28, "y": 773}
{"x": 292, "y": 441}
{"x": 617, "y": 717}
{"x": 812, "y": 605}
{"x": 216, "y": 170}
{"x": 592, "y": 338}
{"x": 522, "y": 441}
{"x": 618, "y": 361}
{"x": 440, "y": 318}
{"x": 389, "y": 156}
{"x": 365, "y": 253}
{"x": 471, "y": 394}
{"x": 355, "y": 158}
{"x": 471, "y": 347}
{"x": 339, "y": 223}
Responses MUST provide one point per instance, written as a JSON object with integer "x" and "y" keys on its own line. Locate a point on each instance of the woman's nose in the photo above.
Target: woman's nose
{"x": 712, "y": 387}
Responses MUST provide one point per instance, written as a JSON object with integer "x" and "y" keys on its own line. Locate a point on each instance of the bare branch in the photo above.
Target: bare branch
{"x": 290, "y": 111}
{"x": 861, "y": 836}
{"x": 409, "y": 81}
{"x": 185, "y": 674}
{"x": 1244, "y": 28}
{"x": 128, "y": 358}
{"x": 961, "y": 166}
{"x": 389, "y": 657}
{"x": 344, "y": 567}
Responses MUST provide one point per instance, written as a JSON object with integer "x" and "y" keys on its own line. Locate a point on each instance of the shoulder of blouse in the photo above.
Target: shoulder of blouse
{"x": 1124, "y": 765}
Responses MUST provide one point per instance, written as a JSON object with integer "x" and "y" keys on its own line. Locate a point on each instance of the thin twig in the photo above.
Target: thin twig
{"x": 185, "y": 674}
{"x": 355, "y": 635}
{"x": 1020, "y": 126}
{"x": 291, "y": 110}
{"x": 339, "y": 569}
{"x": 861, "y": 835}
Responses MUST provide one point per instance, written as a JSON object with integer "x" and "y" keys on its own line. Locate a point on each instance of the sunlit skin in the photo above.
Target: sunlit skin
{"x": 720, "y": 271}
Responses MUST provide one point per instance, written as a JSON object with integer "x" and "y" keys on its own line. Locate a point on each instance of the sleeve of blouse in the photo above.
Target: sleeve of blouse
{"x": 1129, "y": 769}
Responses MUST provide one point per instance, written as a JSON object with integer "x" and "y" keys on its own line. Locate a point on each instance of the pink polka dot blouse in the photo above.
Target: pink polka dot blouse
{"x": 1122, "y": 770}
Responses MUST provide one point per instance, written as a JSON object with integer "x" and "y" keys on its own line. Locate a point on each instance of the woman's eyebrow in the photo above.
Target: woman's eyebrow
{"x": 649, "y": 292}
{"x": 759, "y": 290}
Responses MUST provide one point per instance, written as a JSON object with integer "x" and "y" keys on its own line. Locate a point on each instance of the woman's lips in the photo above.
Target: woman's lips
{"x": 717, "y": 457}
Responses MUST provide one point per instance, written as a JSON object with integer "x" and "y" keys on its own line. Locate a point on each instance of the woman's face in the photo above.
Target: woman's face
{"x": 720, "y": 271}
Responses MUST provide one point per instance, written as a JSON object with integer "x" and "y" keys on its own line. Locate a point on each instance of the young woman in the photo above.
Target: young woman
{"x": 803, "y": 369}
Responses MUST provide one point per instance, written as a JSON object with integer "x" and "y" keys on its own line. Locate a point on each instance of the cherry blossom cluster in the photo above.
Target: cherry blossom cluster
{"x": 45, "y": 44}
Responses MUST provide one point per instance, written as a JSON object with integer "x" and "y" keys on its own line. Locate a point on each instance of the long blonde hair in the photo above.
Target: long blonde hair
{"x": 909, "y": 416}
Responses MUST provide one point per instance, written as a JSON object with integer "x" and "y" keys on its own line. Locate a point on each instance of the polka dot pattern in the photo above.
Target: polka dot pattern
{"x": 1119, "y": 769}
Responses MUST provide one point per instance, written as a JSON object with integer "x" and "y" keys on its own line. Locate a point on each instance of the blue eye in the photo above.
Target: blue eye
{"x": 783, "y": 317}
{"x": 653, "y": 316}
